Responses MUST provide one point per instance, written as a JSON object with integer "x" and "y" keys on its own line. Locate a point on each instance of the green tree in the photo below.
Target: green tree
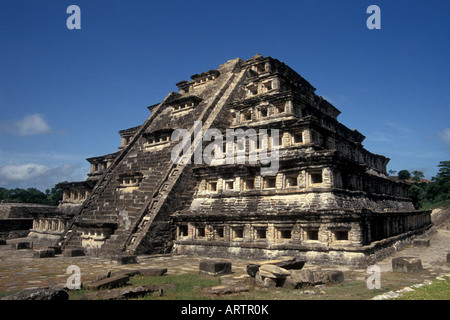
{"x": 32, "y": 195}
{"x": 417, "y": 175}
{"x": 404, "y": 175}
{"x": 416, "y": 194}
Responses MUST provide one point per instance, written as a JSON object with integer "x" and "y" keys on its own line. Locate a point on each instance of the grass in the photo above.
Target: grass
{"x": 191, "y": 287}
{"x": 430, "y": 206}
{"x": 179, "y": 287}
{"x": 175, "y": 287}
{"x": 438, "y": 290}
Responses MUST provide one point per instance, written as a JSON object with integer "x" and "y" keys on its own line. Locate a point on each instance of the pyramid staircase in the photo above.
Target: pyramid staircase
{"x": 157, "y": 187}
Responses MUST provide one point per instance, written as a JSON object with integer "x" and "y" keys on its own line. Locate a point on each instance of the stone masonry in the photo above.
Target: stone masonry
{"x": 329, "y": 200}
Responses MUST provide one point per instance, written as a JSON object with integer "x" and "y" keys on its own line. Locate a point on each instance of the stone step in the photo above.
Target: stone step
{"x": 107, "y": 283}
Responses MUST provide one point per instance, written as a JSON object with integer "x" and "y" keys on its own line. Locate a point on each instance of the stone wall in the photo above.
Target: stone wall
{"x": 15, "y": 228}
{"x": 23, "y": 210}
{"x": 339, "y": 237}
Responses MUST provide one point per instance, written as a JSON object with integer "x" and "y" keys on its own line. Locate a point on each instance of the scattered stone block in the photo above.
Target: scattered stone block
{"x": 215, "y": 268}
{"x": 148, "y": 272}
{"x": 406, "y": 264}
{"x": 44, "y": 253}
{"x": 73, "y": 253}
{"x": 290, "y": 283}
{"x": 335, "y": 276}
{"x": 291, "y": 263}
{"x": 108, "y": 283}
{"x": 252, "y": 269}
{"x": 421, "y": 242}
{"x": 269, "y": 283}
{"x": 270, "y": 276}
{"x": 124, "y": 259}
{"x": 45, "y": 293}
{"x": 288, "y": 263}
{"x": 320, "y": 277}
{"x": 302, "y": 277}
{"x": 272, "y": 271}
{"x": 124, "y": 293}
{"x": 227, "y": 289}
{"x": 56, "y": 249}
{"x": 153, "y": 272}
{"x": 22, "y": 245}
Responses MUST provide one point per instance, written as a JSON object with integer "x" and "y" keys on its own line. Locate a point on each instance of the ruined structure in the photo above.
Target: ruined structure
{"x": 318, "y": 193}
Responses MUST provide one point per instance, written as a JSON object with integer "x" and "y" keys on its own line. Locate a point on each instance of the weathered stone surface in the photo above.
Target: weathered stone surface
{"x": 73, "y": 252}
{"x": 320, "y": 277}
{"x": 56, "y": 249}
{"x": 45, "y": 293}
{"x": 227, "y": 289}
{"x": 302, "y": 277}
{"x": 215, "y": 267}
{"x": 44, "y": 253}
{"x": 272, "y": 271}
{"x": 269, "y": 283}
{"x": 299, "y": 278}
{"x": 268, "y": 279}
{"x": 335, "y": 276}
{"x": 406, "y": 264}
{"x": 22, "y": 245}
{"x": 290, "y": 283}
{"x": 124, "y": 259}
{"x": 288, "y": 263}
{"x": 124, "y": 293}
{"x": 148, "y": 272}
{"x": 108, "y": 283}
{"x": 421, "y": 242}
{"x": 153, "y": 272}
{"x": 252, "y": 269}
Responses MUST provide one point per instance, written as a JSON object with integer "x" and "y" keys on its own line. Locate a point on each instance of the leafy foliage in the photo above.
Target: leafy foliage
{"x": 429, "y": 195}
{"x": 32, "y": 195}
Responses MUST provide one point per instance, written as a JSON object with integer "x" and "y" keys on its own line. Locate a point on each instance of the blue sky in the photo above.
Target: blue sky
{"x": 65, "y": 94}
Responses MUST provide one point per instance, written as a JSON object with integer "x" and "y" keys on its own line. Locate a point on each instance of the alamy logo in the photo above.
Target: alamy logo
{"x": 239, "y": 147}
{"x": 374, "y": 21}
{"x": 374, "y": 280}
{"x": 74, "y": 280}
{"x": 74, "y": 20}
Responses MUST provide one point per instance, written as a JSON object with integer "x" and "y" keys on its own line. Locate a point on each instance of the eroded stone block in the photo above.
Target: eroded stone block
{"x": 73, "y": 252}
{"x": 215, "y": 267}
{"x": 56, "y": 249}
{"x": 124, "y": 293}
{"x": 124, "y": 259}
{"x": 272, "y": 271}
{"x": 45, "y": 293}
{"x": 406, "y": 264}
{"x": 44, "y": 253}
{"x": 108, "y": 283}
{"x": 22, "y": 245}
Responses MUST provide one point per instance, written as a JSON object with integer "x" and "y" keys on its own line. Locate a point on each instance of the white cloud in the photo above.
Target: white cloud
{"x": 445, "y": 137}
{"x": 32, "y": 124}
{"x": 30, "y": 171}
{"x": 38, "y": 175}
